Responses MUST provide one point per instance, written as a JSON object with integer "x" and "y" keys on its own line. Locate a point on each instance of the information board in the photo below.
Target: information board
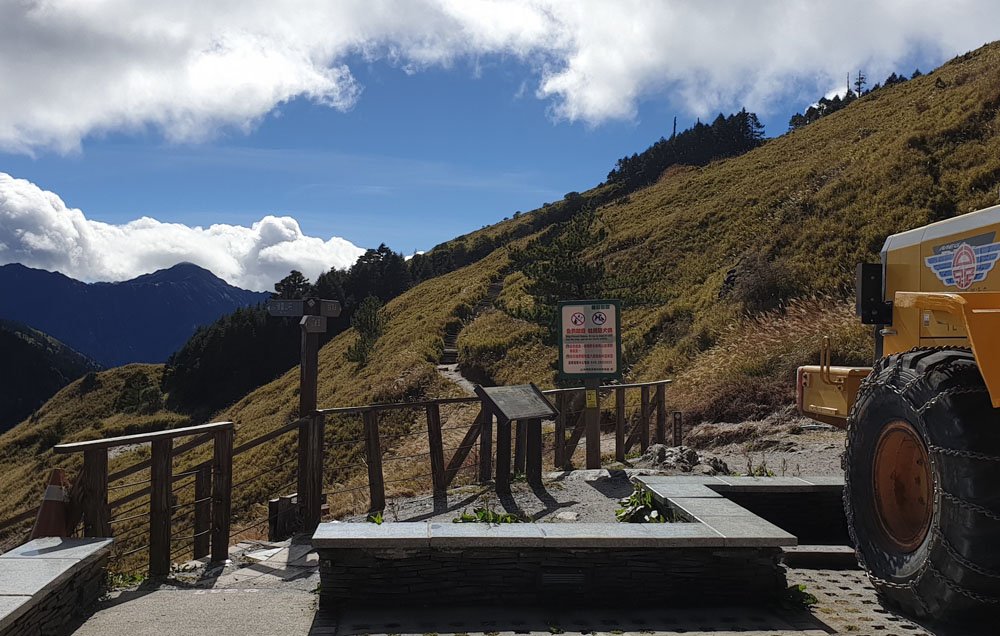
{"x": 518, "y": 402}
{"x": 590, "y": 343}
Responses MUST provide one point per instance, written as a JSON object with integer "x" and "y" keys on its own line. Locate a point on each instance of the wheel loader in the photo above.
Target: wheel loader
{"x": 922, "y": 463}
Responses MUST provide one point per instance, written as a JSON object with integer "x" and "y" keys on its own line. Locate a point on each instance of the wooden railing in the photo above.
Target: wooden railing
{"x": 214, "y": 487}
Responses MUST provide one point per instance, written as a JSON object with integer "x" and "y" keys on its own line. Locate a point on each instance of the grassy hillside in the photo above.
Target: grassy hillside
{"x": 693, "y": 256}
{"x": 103, "y": 404}
{"x": 797, "y": 214}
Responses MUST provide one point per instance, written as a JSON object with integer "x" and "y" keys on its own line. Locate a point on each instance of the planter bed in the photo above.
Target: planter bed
{"x": 727, "y": 555}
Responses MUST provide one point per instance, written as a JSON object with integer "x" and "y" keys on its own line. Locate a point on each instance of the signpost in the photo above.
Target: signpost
{"x": 526, "y": 405}
{"x": 590, "y": 348}
{"x": 314, "y": 312}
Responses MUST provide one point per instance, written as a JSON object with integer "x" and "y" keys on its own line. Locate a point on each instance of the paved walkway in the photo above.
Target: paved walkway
{"x": 274, "y": 592}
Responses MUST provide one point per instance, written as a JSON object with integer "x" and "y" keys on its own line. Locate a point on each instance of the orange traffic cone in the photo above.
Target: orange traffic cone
{"x": 51, "y": 520}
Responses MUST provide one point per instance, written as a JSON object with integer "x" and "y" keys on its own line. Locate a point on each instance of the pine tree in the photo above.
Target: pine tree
{"x": 859, "y": 83}
{"x": 295, "y": 285}
{"x": 369, "y": 322}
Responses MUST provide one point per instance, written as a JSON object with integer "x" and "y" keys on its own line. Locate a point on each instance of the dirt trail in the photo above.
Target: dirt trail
{"x": 448, "y": 366}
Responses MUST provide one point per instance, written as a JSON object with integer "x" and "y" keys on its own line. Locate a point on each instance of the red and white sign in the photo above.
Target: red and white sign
{"x": 590, "y": 339}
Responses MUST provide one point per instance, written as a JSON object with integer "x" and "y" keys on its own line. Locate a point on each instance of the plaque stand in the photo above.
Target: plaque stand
{"x": 522, "y": 406}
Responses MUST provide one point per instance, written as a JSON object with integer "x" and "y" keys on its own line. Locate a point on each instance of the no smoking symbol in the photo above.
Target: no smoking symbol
{"x": 599, "y": 318}
{"x": 577, "y": 319}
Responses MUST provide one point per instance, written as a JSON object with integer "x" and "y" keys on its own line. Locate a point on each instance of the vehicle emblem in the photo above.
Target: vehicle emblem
{"x": 963, "y": 264}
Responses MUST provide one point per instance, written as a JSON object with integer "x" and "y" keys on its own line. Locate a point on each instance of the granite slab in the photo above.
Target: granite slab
{"x": 58, "y": 548}
{"x": 700, "y": 507}
{"x": 665, "y": 490}
{"x": 749, "y": 532}
{"x": 11, "y": 608}
{"x": 482, "y": 535}
{"x": 28, "y": 576}
{"x": 371, "y": 535}
{"x": 630, "y": 535}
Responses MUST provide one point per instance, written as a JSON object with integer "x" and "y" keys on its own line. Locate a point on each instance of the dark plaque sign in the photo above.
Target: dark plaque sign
{"x": 519, "y": 402}
{"x": 279, "y": 307}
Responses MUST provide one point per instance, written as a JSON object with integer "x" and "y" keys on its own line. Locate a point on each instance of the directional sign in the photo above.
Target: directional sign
{"x": 303, "y": 307}
{"x": 590, "y": 344}
{"x": 314, "y": 324}
{"x": 329, "y": 308}
{"x": 279, "y": 307}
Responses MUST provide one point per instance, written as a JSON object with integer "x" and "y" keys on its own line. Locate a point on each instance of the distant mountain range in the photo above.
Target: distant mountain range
{"x": 140, "y": 320}
{"x": 33, "y": 367}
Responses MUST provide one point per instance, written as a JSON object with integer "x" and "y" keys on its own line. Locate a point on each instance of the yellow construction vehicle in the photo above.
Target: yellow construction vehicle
{"x": 922, "y": 465}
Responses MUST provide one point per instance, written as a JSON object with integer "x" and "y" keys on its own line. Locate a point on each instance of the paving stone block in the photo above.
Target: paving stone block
{"x": 462, "y": 535}
{"x": 30, "y": 576}
{"x": 59, "y": 548}
{"x": 11, "y": 607}
{"x": 679, "y": 479}
{"x": 764, "y": 484}
{"x": 749, "y": 532}
{"x": 663, "y": 491}
{"x": 371, "y": 535}
{"x": 699, "y": 507}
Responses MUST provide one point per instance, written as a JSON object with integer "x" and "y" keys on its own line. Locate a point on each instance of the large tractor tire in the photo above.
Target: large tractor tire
{"x": 922, "y": 485}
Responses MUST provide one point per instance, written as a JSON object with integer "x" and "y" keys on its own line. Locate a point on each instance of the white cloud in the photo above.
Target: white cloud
{"x": 38, "y": 230}
{"x": 69, "y": 69}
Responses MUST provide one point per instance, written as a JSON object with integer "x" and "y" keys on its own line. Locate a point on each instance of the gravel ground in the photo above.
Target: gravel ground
{"x": 581, "y": 496}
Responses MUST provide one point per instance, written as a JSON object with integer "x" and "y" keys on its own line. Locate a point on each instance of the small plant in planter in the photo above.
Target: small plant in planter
{"x": 639, "y": 507}
{"x": 486, "y": 514}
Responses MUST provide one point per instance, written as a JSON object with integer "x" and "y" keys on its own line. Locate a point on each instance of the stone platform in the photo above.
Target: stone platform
{"x": 46, "y": 583}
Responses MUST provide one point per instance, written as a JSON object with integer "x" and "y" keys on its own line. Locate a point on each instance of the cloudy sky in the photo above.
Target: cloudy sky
{"x": 248, "y": 135}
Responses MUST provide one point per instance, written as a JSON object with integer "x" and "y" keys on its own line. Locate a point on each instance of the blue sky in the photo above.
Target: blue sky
{"x": 419, "y": 159}
{"x": 291, "y": 126}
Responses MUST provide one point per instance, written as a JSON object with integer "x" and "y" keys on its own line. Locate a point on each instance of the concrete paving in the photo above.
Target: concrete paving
{"x": 274, "y": 593}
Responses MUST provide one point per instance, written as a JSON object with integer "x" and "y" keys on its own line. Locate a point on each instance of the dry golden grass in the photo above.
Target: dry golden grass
{"x": 756, "y": 360}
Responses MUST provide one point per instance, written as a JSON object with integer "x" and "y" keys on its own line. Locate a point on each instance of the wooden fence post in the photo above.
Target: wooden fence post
{"x": 503, "y": 455}
{"x": 661, "y": 414}
{"x": 644, "y": 415}
{"x": 373, "y": 450}
{"x": 592, "y": 410}
{"x": 485, "y": 443}
{"x": 202, "y": 511}
{"x": 519, "y": 448}
{"x": 310, "y": 477}
{"x": 222, "y": 494}
{"x": 559, "y": 449}
{"x": 436, "y": 447}
{"x": 620, "y": 424}
{"x": 533, "y": 451}
{"x": 96, "y": 518}
{"x": 678, "y": 431}
{"x": 160, "y": 507}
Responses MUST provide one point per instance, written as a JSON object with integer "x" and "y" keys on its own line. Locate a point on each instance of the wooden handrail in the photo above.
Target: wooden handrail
{"x": 125, "y": 440}
{"x": 422, "y": 404}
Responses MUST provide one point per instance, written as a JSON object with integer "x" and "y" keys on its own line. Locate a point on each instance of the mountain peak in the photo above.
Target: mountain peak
{"x": 175, "y": 273}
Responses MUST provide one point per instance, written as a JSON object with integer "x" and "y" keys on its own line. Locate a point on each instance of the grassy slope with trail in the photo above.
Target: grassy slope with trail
{"x": 809, "y": 204}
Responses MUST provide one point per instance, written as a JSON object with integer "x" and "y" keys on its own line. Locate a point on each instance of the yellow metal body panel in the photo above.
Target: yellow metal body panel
{"x": 957, "y": 255}
{"x": 827, "y": 393}
{"x": 976, "y": 315}
{"x": 902, "y": 272}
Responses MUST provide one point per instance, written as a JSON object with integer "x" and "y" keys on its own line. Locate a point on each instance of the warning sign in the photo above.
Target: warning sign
{"x": 590, "y": 339}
